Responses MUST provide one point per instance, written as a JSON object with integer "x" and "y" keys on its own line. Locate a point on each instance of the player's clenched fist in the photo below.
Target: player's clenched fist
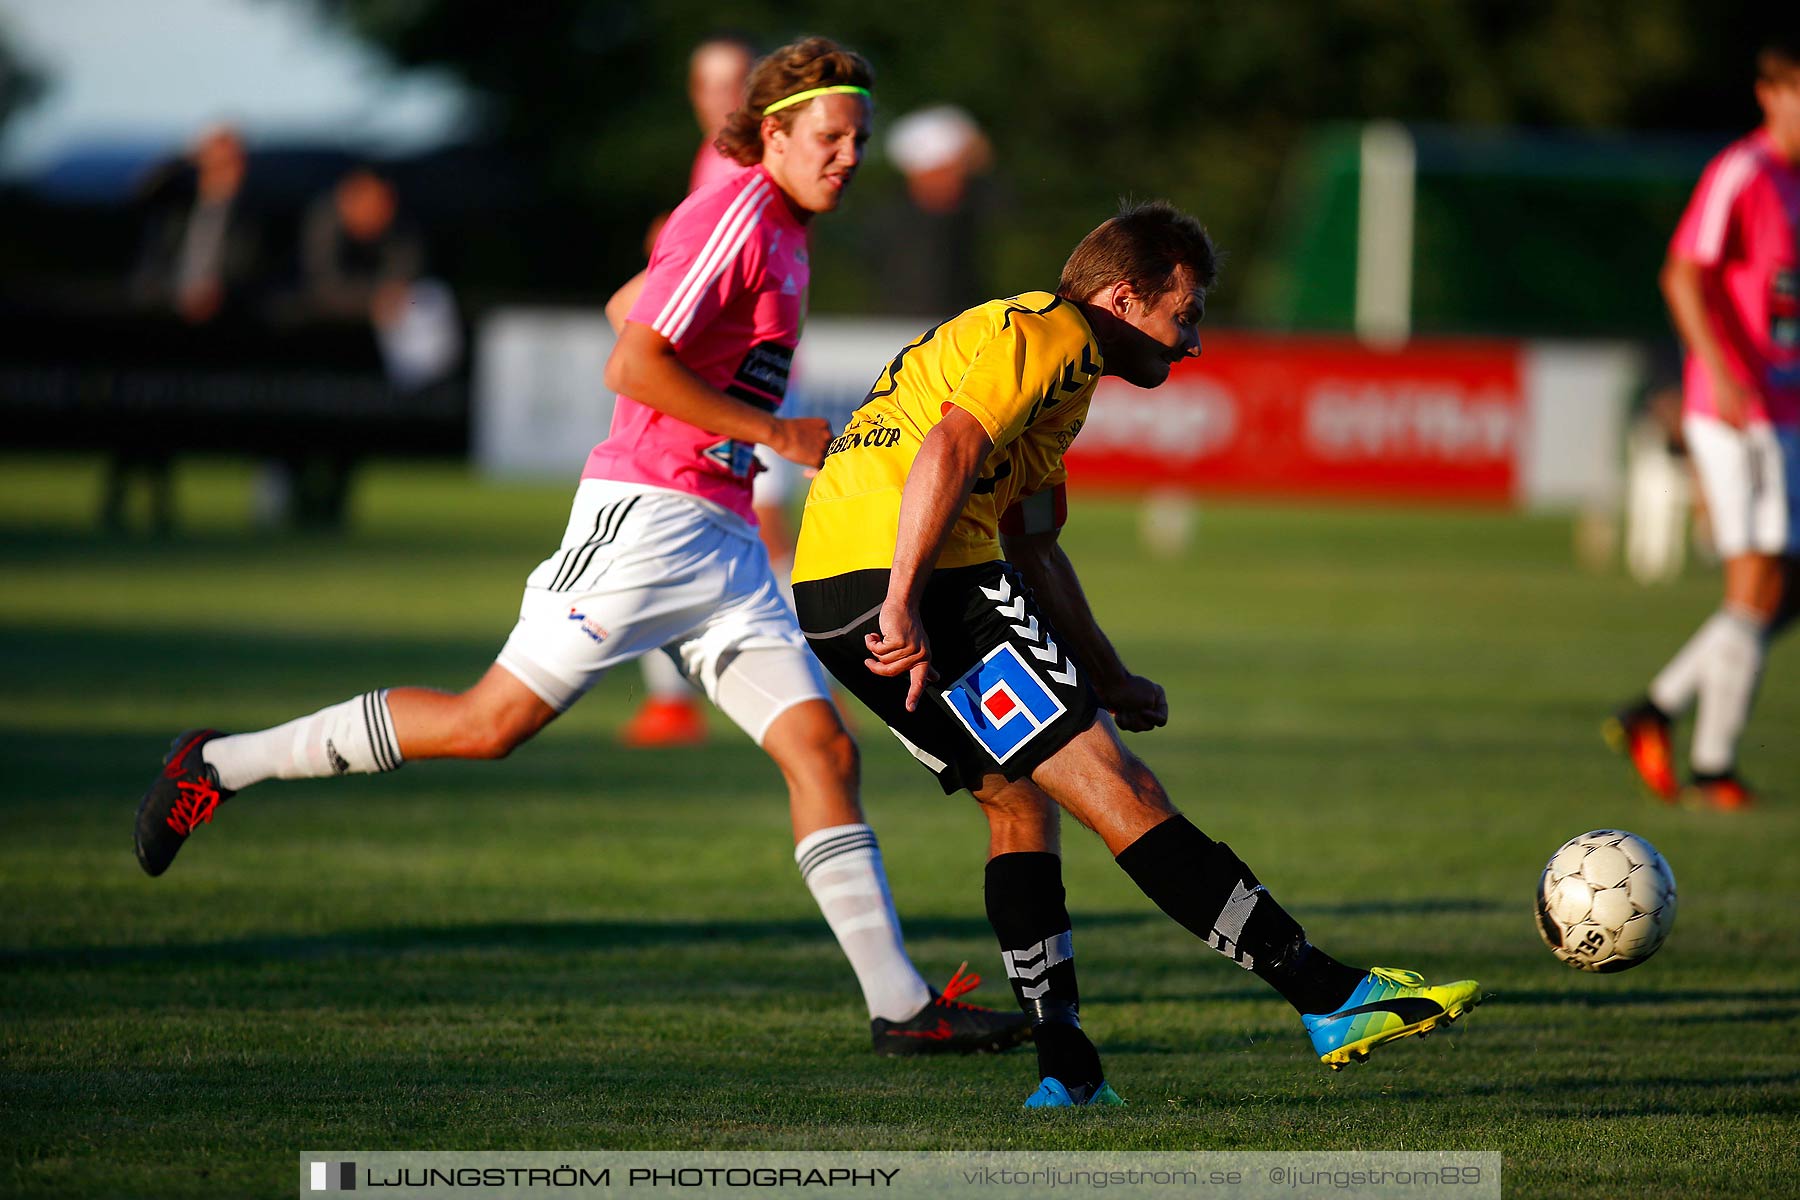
{"x": 1137, "y": 704}
{"x": 802, "y": 439}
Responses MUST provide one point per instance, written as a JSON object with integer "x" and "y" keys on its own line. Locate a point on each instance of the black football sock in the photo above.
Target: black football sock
{"x": 1213, "y": 895}
{"x": 1025, "y": 907}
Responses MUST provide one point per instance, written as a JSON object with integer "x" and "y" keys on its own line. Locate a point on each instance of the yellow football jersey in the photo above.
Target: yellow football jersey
{"x": 1025, "y": 368}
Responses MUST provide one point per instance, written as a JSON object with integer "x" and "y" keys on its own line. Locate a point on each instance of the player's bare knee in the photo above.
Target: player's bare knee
{"x": 840, "y": 754}
{"x": 490, "y": 736}
{"x": 1018, "y": 812}
{"x": 809, "y": 744}
{"x": 995, "y": 809}
{"x": 1129, "y": 794}
{"x": 503, "y": 742}
{"x": 1012, "y": 802}
{"x": 1145, "y": 787}
{"x": 1019, "y": 815}
{"x": 486, "y": 741}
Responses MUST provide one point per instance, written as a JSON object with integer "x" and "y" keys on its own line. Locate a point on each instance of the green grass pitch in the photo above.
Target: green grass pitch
{"x": 1393, "y": 716}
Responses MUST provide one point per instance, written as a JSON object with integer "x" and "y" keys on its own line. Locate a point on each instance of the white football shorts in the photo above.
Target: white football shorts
{"x": 1751, "y": 480}
{"x": 642, "y": 569}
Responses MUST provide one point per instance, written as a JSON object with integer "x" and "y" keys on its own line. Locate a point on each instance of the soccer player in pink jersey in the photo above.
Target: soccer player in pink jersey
{"x": 718, "y": 72}
{"x": 661, "y": 552}
{"x": 1732, "y": 282}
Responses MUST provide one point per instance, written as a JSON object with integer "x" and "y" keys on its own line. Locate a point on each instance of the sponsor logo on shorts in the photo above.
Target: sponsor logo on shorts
{"x": 1002, "y": 702}
{"x": 339, "y": 764}
{"x": 589, "y": 626}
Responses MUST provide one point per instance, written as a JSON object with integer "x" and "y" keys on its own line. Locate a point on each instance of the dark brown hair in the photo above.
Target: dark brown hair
{"x": 796, "y": 67}
{"x": 1142, "y": 246}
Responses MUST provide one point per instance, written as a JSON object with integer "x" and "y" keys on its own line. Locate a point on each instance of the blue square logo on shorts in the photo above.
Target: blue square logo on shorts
{"x": 1002, "y": 702}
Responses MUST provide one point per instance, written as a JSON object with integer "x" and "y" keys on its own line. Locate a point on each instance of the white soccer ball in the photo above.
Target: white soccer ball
{"x": 1606, "y": 901}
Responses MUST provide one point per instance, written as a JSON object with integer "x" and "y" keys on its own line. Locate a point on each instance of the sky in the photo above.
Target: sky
{"x": 131, "y": 71}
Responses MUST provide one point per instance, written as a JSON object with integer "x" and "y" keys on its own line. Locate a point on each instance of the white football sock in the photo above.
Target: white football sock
{"x": 355, "y": 736}
{"x": 1676, "y": 685}
{"x": 1727, "y": 688}
{"x": 842, "y": 868}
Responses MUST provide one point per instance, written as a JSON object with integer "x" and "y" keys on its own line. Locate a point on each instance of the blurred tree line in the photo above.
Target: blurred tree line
{"x": 1199, "y": 101}
{"x": 21, "y": 84}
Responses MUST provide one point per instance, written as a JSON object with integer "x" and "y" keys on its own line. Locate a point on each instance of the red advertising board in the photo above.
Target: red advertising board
{"x": 1308, "y": 416}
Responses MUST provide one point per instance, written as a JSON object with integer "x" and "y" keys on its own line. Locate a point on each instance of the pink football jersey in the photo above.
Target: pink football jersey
{"x": 727, "y": 287}
{"x": 1743, "y": 225}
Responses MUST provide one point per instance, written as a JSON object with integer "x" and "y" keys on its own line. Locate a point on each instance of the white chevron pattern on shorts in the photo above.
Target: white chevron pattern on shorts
{"x": 1015, "y": 611}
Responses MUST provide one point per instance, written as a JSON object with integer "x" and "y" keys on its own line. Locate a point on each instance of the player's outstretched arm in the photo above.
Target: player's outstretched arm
{"x": 937, "y": 487}
{"x": 645, "y": 367}
{"x": 1135, "y": 702}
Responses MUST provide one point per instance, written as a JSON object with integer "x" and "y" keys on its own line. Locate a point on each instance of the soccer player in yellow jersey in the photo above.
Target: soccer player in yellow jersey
{"x": 930, "y": 581}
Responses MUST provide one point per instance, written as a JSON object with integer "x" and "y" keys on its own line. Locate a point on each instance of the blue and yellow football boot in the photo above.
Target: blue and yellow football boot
{"x": 1387, "y": 1004}
{"x": 1052, "y": 1094}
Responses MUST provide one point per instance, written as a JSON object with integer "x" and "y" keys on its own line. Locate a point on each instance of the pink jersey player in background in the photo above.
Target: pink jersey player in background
{"x": 718, "y": 72}
{"x": 660, "y": 552}
{"x": 1732, "y": 282}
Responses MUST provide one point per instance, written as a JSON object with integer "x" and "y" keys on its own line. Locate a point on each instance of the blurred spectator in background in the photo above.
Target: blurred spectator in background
{"x": 362, "y": 260}
{"x": 1732, "y": 282}
{"x": 718, "y": 69}
{"x": 201, "y": 250}
{"x": 931, "y": 244}
{"x": 360, "y": 265}
{"x": 357, "y": 256}
{"x": 200, "y": 260}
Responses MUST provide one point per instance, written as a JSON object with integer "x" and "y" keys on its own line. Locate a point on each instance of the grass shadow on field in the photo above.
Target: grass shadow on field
{"x": 1686, "y": 1096}
{"x": 165, "y": 663}
{"x": 1418, "y": 906}
{"x": 104, "y": 774}
{"x": 1777, "y": 1015}
{"x": 38, "y": 545}
{"x": 1636, "y": 999}
{"x": 506, "y": 935}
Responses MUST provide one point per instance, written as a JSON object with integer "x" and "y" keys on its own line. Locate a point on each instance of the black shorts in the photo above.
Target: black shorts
{"x": 1008, "y": 694}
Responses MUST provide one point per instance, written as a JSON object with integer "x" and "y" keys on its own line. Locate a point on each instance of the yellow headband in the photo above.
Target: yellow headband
{"x": 842, "y": 89}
